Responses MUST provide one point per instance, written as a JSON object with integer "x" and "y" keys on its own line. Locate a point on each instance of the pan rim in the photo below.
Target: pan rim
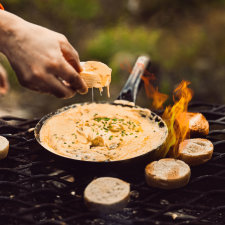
{"x": 65, "y": 108}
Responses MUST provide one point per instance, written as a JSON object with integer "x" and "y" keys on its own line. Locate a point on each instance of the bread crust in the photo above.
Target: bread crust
{"x": 4, "y": 147}
{"x": 98, "y": 195}
{"x": 198, "y": 124}
{"x": 195, "y": 151}
{"x": 167, "y": 173}
{"x": 96, "y": 74}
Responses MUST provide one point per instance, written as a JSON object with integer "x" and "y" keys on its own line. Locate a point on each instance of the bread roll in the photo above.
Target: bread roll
{"x": 4, "y": 147}
{"x": 197, "y": 123}
{"x": 195, "y": 151}
{"x": 96, "y": 74}
{"x": 107, "y": 194}
{"x": 167, "y": 173}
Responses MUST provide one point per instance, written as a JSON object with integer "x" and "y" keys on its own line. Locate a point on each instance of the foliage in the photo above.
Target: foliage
{"x": 185, "y": 39}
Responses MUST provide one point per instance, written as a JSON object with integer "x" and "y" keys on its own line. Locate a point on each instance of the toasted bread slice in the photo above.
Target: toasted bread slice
{"x": 96, "y": 74}
{"x": 107, "y": 194}
{"x": 195, "y": 151}
{"x": 167, "y": 173}
{"x": 4, "y": 147}
{"x": 197, "y": 123}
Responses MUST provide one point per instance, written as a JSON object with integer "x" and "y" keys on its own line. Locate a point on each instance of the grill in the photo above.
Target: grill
{"x": 35, "y": 188}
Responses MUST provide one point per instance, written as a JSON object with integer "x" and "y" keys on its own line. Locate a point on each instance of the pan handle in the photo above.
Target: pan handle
{"x": 130, "y": 89}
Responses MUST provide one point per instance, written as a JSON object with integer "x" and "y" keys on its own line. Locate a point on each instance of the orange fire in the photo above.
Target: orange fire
{"x": 1, "y": 6}
{"x": 178, "y": 129}
{"x": 157, "y": 98}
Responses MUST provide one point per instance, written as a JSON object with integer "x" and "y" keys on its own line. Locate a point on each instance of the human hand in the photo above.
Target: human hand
{"x": 43, "y": 60}
{"x": 4, "y": 84}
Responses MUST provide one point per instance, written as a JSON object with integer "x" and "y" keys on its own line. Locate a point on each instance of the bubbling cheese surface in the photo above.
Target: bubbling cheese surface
{"x": 102, "y": 132}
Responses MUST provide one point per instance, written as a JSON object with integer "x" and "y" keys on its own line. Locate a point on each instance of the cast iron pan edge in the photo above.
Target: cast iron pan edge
{"x": 128, "y": 93}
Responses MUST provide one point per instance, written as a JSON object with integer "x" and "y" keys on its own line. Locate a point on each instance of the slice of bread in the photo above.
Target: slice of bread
{"x": 197, "y": 123}
{"x": 167, "y": 173}
{"x": 96, "y": 74}
{"x": 195, "y": 151}
{"x": 107, "y": 194}
{"x": 4, "y": 147}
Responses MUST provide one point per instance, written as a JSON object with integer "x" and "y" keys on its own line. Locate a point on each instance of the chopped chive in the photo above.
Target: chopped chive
{"x": 110, "y": 138}
{"x": 98, "y": 119}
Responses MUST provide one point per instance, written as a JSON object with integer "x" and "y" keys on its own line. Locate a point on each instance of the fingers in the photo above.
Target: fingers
{"x": 49, "y": 84}
{"x": 57, "y": 88}
{"x": 71, "y": 55}
{"x": 71, "y": 74}
{"x": 67, "y": 73}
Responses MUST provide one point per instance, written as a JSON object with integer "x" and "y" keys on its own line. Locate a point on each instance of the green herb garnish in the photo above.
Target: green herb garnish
{"x": 98, "y": 119}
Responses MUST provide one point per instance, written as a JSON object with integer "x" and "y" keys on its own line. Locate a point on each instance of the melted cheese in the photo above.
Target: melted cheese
{"x": 96, "y": 74}
{"x": 101, "y": 132}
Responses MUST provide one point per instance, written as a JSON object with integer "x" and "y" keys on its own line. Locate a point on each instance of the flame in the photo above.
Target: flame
{"x": 1, "y": 6}
{"x": 178, "y": 129}
{"x": 157, "y": 98}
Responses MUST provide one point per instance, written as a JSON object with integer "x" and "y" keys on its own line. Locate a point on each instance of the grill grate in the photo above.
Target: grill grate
{"x": 36, "y": 189}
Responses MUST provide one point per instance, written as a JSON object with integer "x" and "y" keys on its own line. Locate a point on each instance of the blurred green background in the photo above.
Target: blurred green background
{"x": 185, "y": 39}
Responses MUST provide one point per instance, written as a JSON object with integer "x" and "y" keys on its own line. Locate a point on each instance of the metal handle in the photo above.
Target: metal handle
{"x": 130, "y": 89}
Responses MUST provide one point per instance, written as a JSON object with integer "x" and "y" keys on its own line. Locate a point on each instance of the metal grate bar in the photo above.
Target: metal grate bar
{"x": 37, "y": 189}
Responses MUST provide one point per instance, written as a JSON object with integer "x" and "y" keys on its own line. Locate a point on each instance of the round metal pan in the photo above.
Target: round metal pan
{"x": 128, "y": 93}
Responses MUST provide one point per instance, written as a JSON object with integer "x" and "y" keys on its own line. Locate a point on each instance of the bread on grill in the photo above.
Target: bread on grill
{"x": 96, "y": 74}
{"x": 107, "y": 194}
{"x": 4, "y": 147}
{"x": 197, "y": 123}
{"x": 167, "y": 173}
{"x": 195, "y": 151}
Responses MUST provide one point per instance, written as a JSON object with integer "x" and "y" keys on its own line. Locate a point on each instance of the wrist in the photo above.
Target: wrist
{"x": 9, "y": 24}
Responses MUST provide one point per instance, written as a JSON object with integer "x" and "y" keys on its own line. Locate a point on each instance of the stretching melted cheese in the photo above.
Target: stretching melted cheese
{"x": 96, "y": 74}
{"x": 102, "y": 132}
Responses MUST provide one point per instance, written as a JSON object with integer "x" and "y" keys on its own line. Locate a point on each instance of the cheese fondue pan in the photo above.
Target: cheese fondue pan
{"x": 128, "y": 94}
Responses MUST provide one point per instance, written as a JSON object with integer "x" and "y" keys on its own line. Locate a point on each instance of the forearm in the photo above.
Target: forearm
{"x": 40, "y": 57}
{"x": 9, "y": 26}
